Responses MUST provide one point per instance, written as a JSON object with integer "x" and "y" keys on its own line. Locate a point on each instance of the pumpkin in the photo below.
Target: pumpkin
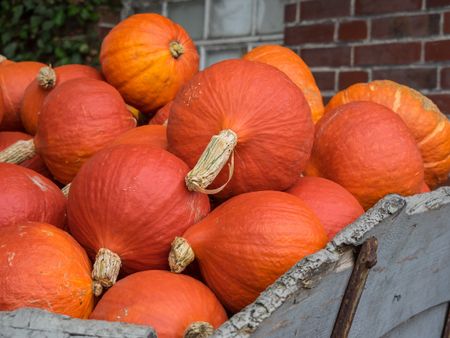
{"x": 424, "y": 188}
{"x": 247, "y": 242}
{"x": 14, "y": 79}
{"x": 47, "y": 79}
{"x": 430, "y": 128}
{"x": 162, "y": 115}
{"x": 366, "y": 148}
{"x": 42, "y": 266}
{"x": 148, "y": 57}
{"x": 334, "y": 206}
{"x": 247, "y": 113}
{"x": 126, "y": 205}
{"x": 8, "y": 138}
{"x": 295, "y": 68}
{"x": 26, "y": 195}
{"x": 174, "y": 305}
{"x": 150, "y": 134}
{"x": 4, "y": 61}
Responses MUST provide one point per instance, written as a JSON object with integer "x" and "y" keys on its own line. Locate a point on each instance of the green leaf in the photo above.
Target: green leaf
{"x": 59, "y": 18}
{"x": 10, "y": 49}
{"x": 17, "y": 13}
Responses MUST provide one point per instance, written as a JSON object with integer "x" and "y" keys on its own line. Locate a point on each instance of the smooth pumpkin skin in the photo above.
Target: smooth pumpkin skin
{"x": 26, "y": 195}
{"x": 35, "y": 95}
{"x": 154, "y": 135}
{"x": 14, "y": 79}
{"x": 162, "y": 115}
{"x": 430, "y": 128}
{"x": 136, "y": 59}
{"x": 262, "y": 106}
{"x": 425, "y": 188}
{"x": 43, "y": 267}
{"x": 132, "y": 200}
{"x": 333, "y": 204}
{"x": 295, "y": 68}
{"x": 168, "y": 302}
{"x": 78, "y": 118}
{"x": 366, "y": 148}
{"x": 247, "y": 242}
{"x": 35, "y": 163}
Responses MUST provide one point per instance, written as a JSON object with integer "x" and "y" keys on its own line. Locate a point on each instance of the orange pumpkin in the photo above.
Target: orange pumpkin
{"x": 42, "y": 266}
{"x": 366, "y": 148}
{"x": 247, "y": 113}
{"x": 295, "y": 68}
{"x": 14, "y": 79}
{"x": 148, "y": 57}
{"x": 162, "y": 115}
{"x": 424, "y": 188}
{"x": 40, "y": 87}
{"x": 334, "y": 206}
{"x": 246, "y": 243}
{"x": 172, "y": 304}
{"x": 4, "y": 61}
{"x": 150, "y": 134}
{"x": 430, "y": 128}
{"x": 26, "y": 195}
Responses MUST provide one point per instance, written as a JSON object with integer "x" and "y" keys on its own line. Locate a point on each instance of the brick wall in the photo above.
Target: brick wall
{"x": 349, "y": 41}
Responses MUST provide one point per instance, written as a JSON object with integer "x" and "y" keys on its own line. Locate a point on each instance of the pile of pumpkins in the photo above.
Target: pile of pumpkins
{"x": 238, "y": 172}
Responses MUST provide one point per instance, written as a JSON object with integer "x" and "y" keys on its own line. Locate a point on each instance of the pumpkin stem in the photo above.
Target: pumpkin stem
{"x": 199, "y": 330}
{"x": 106, "y": 269}
{"x": 46, "y": 77}
{"x": 18, "y": 152}
{"x": 66, "y": 190}
{"x": 181, "y": 255}
{"x": 97, "y": 288}
{"x": 211, "y": 162}
{"x": 3, "y": 58}
{"x": 176, "y": 49}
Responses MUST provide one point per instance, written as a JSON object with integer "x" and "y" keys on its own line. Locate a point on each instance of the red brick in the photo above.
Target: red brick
{"x": 445, "y": 78}
{"x": 309, "y": 33}
{"x": 353, "y": 30}
{"x": 442, "y": 101}
{"x": 447, "y": 23}
{"x": 332, "y": 56}
{"x": 437, "y": 3}
{"x": 324, "y": 80}
{"x": 387, "y": 54}
{"x": 290, "y": 13}
{"x": 386, "y": 6}
{"x": 419, "y": 78}
{"x": 437, "y": 50}
{"x": 405, "y": 26}
{"x": 320, "y": 9}
{"x": 347, "y": 78}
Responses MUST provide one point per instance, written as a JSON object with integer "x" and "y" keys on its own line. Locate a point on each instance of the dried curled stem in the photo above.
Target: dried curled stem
{"x": 66, "y": 190}
{"x": 181, "y": 255}
{"x": 18, "y": 152}
{"x": 46, "y": 77}
{"x": 3, "y": 58}
{"x": 106, "y": 269}
{"x": 199, "y": 330}
{"x": 176, "y": 49}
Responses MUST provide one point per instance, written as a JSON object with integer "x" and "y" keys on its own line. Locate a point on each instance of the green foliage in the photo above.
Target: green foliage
{"x": 51, "y": 31}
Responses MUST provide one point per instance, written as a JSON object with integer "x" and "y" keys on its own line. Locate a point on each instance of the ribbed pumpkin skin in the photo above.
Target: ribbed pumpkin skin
{"x": 295, "y": 68}
{"x": 35, "y": 95}
{"x": 154, "y": 135}
{"x": 136, "y": 59}
{"x": 262, "y": 106}
{"x": 78, "y": 118}
{"x": 246, "y": 243}
{"x": 366, "y": 148}
{"x": 168, "y": 302}
{"x": 35, "y": 163}
{"x": 26, "y": 195}
{"x": 42, "y": 266}
{"x": 132, "y": 199}
{"x": 334, "y": 206}
{"x": 430, "y": 128}
{"x": 14, "y": 79}
{"x": 162, "y": 115}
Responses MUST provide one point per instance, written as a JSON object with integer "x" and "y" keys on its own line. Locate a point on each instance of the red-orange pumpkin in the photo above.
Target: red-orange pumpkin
{"x": 4, "y": 61}
{"x": 172, "y": 304}
{"x": 154, "y": 135}
{"x": 256, "y": 115}
{"x": 14, "y": 79}
{"x": 334, "y": 206}
{"x": 148, "y": 57}
{"x": 162, "y": 115}
{"x": 131, "y": 200}
{"x": 26, "y": 195}
{"x": 78, "y": 118}
{"x": 246, "y": 243}
{"x": 42, "y": 266}
{"x": 295, "y": 68}
{"x": 430, "y": 128}
{"x": 39, "y": 88}
{"x": 366, "y": 148}
{"x": 425, "y": 188}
